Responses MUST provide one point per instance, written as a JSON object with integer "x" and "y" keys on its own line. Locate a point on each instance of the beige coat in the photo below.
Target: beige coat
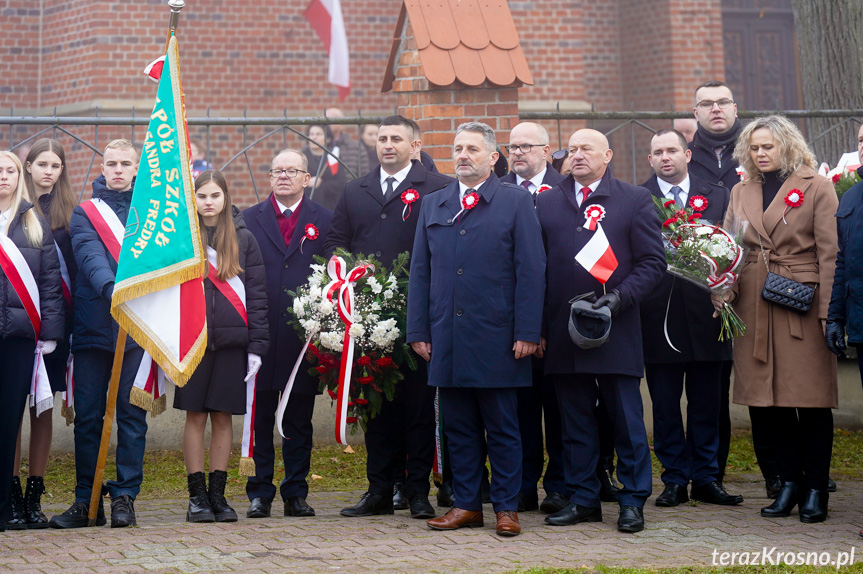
{"x": 783, "y": 360}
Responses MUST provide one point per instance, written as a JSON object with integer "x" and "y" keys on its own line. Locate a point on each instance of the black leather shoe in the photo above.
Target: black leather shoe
{"x": 420, "y": 506}
{"x": 831, "y": 485}
{"x": 123, "y": 512}
{"x": 673, "y": 495}
{"x": 400, "y": 500}
{"x": 573, "y": 514}
{"x": 813, "y": 506}
{"x": 772, "y": 486}
{"x": 608, "y": 486}
{"x": 713, "y": 493}
{"x": 76, "y": 516}
{"x": 297, "y": 506}
{"x": 370, "y": 505}
{"x": 527, "y": 502}
{"x": 784, "y": 503}
{"x": 631, "y": 519}
{"x": 259, "y": 508}
{"x": 554, "y": 502}
{"x": 445, "y": 496}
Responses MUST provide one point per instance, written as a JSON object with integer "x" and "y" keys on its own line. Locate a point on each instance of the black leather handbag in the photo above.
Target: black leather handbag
{"x": 785, "y": 292}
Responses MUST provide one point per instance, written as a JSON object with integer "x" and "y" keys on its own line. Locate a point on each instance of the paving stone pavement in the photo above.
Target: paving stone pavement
{"x": 687, "y": 535}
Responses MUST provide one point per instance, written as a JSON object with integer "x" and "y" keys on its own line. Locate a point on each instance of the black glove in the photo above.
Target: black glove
{"x": 835, "y": 336}
{"x": 610, "y": 300}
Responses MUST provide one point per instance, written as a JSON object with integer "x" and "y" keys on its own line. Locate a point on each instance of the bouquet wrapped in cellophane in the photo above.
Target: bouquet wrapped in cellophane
{"x": 704, "y": 254}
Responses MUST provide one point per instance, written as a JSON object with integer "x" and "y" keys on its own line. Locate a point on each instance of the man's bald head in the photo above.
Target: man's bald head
{"x": 524, "y": 163}
{"x": 589, "y": 156}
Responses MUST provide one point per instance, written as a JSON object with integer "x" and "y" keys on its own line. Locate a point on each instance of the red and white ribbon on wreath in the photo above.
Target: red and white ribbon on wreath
{"x": 341, "y": 288}
{"x": 719, "y": 277}
{"x": 24, "y": 284}
{"x": 593, "y": 215}
{"x": 408, "y": 197}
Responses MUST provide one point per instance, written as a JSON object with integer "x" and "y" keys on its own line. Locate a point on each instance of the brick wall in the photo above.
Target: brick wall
{"x": 263, "y": 57}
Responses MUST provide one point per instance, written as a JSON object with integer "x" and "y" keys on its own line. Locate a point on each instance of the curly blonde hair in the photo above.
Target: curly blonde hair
{"x": 792, "y": 148}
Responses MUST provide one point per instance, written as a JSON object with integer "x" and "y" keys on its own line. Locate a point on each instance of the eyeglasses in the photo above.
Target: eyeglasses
{"x": 523, "y": 148}
{"x": 707, "y": 105}
{"x": 291, "y": 173}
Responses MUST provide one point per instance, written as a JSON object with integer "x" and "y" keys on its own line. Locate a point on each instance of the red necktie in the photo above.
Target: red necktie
{"x": 585, "y": 191}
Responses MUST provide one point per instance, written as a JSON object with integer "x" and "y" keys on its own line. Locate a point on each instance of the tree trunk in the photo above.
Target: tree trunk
{"x": 831, "y": 61}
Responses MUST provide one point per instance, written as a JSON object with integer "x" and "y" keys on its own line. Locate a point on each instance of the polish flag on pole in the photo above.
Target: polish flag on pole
{"x": 597, "y": 257}
{"x": 325, "y": 16}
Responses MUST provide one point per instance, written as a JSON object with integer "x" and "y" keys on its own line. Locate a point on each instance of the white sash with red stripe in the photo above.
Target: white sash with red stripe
{"x": 148, "y": 391}
{"x": 235, "y": 292}
{"x": 21, "y": 278}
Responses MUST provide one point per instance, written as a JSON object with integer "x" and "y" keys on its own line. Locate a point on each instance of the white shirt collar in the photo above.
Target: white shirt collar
{"x": 293, "y": 208}
{"x": 580, "y": 196}
{"x": 462, "y": 188}
{"x": 399, "y": 176}
{"x": 665, "y": 187}
{"x": 535, "y": 181}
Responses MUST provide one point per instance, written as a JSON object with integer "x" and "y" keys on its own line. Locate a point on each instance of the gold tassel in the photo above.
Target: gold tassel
{"x": 68, "y": 414}
{"x": 247, "y": 466}
{"x": 159, "y": 406}
{"x": 141, "y": 399}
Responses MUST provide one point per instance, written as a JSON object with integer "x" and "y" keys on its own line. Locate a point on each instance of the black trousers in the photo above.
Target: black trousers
{"x": 16, "y": 369}
{"x": 410, "y": 415}
{"x": 537, "y": 404}
{"x": 801, "y": 441}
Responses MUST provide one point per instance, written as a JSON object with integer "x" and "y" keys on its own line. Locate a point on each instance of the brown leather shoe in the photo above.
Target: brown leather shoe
{"x": 507, "y": 523}
{"x": 456, "y": 518}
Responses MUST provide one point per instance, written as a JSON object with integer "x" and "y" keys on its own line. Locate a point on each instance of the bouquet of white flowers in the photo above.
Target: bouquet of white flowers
{"x": 355, "y": 293}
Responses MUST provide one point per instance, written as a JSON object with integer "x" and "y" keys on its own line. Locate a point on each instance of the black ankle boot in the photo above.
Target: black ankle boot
{"x": 33, "y": 503}
{"x": 785, "y": 502}
{"x": 18, "y": 520}
{"x": 223, "y": 511}
{"x": 608, "y": 487}
{"x": 813, "y": 505}
{"x": 199, "y": 502}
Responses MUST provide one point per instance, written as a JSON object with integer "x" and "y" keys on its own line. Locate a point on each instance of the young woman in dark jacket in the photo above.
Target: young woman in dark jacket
{"x": 46, "y": 182}
{"x": 32, "y": 239}
{"x": 234, "y": 346}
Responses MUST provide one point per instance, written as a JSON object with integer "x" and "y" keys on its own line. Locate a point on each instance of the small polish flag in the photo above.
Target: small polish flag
{"x": 333, "y": 160}
{"x": 325, "y": 16}
{"x": 597, "y": 257}
{"x": 154, "y": 69}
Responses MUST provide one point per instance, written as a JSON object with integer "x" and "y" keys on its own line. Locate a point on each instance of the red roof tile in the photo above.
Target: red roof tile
{"x": 470, "y": 41}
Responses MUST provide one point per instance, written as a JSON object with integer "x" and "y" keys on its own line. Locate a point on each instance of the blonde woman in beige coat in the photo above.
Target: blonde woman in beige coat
{"x": 783, "y": 370}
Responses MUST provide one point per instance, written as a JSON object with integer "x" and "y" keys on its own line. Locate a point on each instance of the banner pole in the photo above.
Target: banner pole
{"x": 176, "y": 6}
{"x": 113, "y": 388}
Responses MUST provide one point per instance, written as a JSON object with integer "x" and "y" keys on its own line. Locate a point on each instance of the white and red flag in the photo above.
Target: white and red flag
{"x": 597, "y": 256}
{"x": 325, "y": 16}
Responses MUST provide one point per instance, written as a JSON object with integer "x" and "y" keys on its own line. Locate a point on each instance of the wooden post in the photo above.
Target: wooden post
{"x": 113, "y": 388}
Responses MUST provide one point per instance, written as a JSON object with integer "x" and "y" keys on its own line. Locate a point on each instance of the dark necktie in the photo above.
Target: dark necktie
{"x": 287, "y": 212}
{"x": 526, "y": 184}
{"x": 585, "y": 191}
{"x": 390, "y": 181}
{"x": 676, "y": 192}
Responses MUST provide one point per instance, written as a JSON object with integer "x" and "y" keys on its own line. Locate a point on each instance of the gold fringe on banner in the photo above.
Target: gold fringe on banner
{"x": 159, "y": 406}
{"x": 247, "y": 466}
{"x": 68, "y": 414}
{"x": 141, "y": 399}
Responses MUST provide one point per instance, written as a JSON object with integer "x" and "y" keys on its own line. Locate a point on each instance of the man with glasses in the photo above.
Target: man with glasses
{"x": 279, "y": 225}
{"x": 373, "y": 217}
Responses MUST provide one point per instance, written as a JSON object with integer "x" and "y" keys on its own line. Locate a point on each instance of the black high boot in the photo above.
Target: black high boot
{"x": 18, "y": 520}
{"x": 33, "y": 503}
{"x": 223, "y": 511}
{"x": 784, "y": 503}
{"x": 608, "y": 487}
{"x": 199, "y": 502}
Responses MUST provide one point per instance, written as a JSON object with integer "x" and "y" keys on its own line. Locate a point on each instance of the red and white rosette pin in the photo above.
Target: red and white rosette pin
{"x": 593, "y": 215}
{"x": 468, "y": 202}
{"x": 312, "y": 233}
{"x": 543, "y": 187}
{"x": 698, "y": 203}
{"x": 793, "y": 199}
{"x": 408, "y": 197}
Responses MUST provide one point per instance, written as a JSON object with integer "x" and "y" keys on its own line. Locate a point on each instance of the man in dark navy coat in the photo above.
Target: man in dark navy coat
{"x": 475, "y": 312}
{"x": 528, "y": 163}
{"x": 373, "y": 218}
{"x": 613, "y": 370}
{"x": 681, "y": 343}
{"x": 279, "y": 224}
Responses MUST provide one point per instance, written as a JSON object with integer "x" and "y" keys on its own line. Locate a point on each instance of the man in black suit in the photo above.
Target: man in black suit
{"x": 278, "y": 224}
{"x": 681, "y": 345}
{"x": 372, "y": 218}
{"x": 528, "y": 151}
{"x": 588, "y": 215}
